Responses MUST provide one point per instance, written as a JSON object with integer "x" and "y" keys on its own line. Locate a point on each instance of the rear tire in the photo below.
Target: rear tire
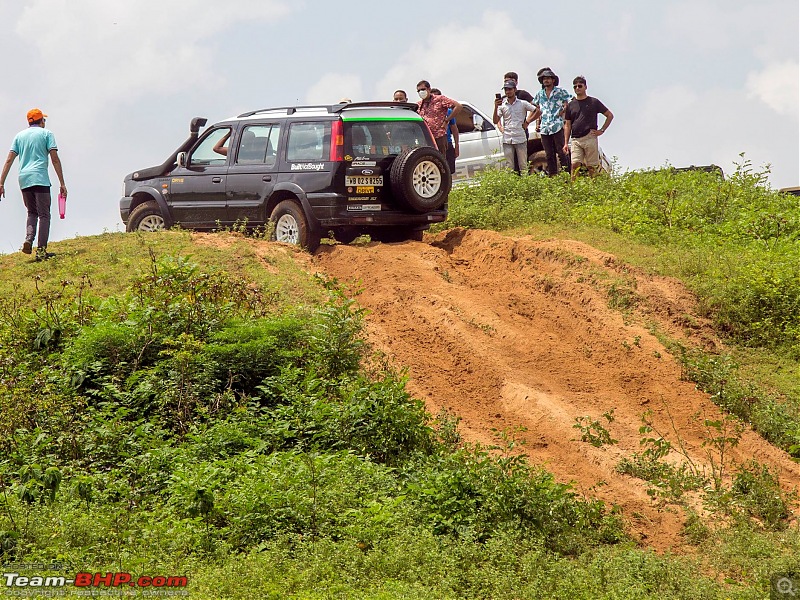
{"x": 146, "y": 217}
{"x": 537, "y": 163}
{"x": 291, "y": 226}
{"x": 420, "y": 179}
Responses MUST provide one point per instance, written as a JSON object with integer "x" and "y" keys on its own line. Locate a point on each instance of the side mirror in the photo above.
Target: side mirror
{"x": 181, "y": 159}
{"x": 477, "y": 121}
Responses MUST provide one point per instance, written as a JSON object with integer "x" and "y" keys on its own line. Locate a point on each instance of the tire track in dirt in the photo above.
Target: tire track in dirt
{"x": 511, "y": 332}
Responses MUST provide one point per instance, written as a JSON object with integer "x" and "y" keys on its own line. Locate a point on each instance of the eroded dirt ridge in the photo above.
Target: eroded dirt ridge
{"x": 515, "y": 332}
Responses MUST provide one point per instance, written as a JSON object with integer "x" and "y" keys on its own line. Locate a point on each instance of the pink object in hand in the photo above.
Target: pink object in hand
{"x": 62, "y": 205}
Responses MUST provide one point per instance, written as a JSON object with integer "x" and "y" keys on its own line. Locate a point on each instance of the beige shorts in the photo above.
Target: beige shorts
{"x": 585, "y": 151}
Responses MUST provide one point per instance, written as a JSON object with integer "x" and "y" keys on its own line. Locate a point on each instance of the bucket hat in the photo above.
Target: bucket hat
{"x": 546, "y": 72}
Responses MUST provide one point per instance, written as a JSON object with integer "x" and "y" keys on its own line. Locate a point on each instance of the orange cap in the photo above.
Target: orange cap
{"x": 35, "y": 114}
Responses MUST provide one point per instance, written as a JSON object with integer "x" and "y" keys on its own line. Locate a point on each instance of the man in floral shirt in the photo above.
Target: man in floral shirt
{"x": 433, "y": 109}
{"x": 552, "y": 101}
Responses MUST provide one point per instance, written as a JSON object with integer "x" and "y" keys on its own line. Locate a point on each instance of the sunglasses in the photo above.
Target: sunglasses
{"x": 577, "y": 85}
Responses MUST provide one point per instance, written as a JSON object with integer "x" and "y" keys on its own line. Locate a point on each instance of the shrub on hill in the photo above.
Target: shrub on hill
{"x": 191, "y": 411}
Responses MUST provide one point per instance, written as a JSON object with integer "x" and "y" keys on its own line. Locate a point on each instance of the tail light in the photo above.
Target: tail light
{"x": 337, "y": 141}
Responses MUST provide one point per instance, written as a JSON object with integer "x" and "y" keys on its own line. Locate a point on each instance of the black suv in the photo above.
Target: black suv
{"x": 349, "y": 169}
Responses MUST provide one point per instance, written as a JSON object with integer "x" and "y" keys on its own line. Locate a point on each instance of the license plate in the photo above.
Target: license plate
{"x": 365, "y": 189}
{"x": 351, "y": 180}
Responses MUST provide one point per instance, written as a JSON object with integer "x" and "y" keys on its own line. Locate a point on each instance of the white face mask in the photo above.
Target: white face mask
{"x": 423, "y": 94}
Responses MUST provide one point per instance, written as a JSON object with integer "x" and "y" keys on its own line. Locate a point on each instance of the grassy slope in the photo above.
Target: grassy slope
{"x": 111, "y": 261}
{"x": 378, "y": 544}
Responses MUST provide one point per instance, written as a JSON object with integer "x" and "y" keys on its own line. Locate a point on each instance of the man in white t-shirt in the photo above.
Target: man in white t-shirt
{"x": 516, "y": 115}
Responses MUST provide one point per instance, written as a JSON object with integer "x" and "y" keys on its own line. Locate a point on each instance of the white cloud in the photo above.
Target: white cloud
{"x": 335, "y": 86}
{"x": 682, "y": 127}
{"x": 777, "y": 87}
{"x": 468, "y": 62}
{"x": 101, "y": 51}
{"x": 104, "y": 70}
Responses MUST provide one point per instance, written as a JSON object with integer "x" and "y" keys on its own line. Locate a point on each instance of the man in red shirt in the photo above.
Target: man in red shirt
{"x": 433, "y": 109}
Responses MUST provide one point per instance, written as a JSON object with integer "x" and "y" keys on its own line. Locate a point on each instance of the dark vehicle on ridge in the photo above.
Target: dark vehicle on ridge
{"x": 305, "y": 171}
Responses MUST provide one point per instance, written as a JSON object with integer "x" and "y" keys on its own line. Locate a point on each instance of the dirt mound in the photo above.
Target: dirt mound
{"x": 509, "y": 332}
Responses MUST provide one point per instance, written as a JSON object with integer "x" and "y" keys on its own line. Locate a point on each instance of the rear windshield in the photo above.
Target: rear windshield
{"x": 383, "y": 138}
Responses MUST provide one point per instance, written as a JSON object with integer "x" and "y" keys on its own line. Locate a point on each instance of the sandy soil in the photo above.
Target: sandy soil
{"x": 509, "y": 332}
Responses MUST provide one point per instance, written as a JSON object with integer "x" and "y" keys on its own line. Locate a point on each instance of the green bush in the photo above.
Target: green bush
{"x": 310, "y": 495}
{"x": 777, "y": 420}
{"x": 756, "y": 491}
{"x": 244, "y": 354}
{"x": 759, "y": 304}
{"x": 473, "y": 495}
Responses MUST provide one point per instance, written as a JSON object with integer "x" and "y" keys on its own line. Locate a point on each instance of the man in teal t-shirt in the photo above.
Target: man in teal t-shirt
{"x": 35, "y": 146}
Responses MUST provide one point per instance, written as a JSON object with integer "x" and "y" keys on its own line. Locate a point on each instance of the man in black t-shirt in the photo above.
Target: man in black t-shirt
{"x": 580, "y": 122}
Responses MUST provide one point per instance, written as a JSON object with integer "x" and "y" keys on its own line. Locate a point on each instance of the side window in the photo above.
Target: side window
{"x": 213, "y": 149}
{"x": 258, "y": 145}
{"x": 309, "y": 141}
{"x": 468, "y": 121}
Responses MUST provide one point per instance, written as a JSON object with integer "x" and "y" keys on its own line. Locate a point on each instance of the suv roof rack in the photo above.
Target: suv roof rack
{"x": 331, "y": 108}
{"x": 290, "y": 110}
{"x": 376, "y": 104}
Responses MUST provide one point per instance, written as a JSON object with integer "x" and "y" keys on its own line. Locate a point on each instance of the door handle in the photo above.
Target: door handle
{"x": 216, "y": 180}
{"x": 266, "y": 178}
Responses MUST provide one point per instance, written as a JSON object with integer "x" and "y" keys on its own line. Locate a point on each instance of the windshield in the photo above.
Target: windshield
{"x": 383, "y": 138}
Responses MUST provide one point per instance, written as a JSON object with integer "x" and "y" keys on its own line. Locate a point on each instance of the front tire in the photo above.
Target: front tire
{"x": 146, "y": 217}
{"x": 291, "y": 226}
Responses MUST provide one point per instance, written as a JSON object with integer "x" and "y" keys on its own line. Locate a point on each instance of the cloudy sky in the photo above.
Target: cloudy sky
{"x": 689, "y": 81}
